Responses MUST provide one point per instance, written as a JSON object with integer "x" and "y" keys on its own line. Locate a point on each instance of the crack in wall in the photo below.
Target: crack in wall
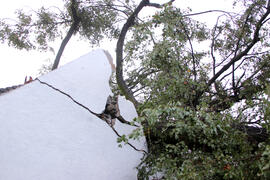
{"x": 101, "y": 116}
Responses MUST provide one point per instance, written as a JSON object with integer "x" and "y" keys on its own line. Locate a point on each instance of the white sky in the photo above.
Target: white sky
{"x": 16, "y": 64}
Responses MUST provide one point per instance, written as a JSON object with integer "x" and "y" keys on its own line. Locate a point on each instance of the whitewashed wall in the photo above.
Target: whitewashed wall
{"x": 45, "y": 136}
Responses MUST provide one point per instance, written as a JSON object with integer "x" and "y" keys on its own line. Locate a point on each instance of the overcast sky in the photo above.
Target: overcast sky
{"x": 16, "y": 64}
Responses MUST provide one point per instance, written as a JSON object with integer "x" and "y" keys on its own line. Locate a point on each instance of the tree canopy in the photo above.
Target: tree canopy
{"x": 201, "y": 93}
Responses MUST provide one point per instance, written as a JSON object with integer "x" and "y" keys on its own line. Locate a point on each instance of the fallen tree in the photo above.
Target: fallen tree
{"x": 205, "y": 113}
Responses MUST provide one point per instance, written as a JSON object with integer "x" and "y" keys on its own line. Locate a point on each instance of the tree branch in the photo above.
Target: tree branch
{"x": 140, "y": 150}
{"x": 243, "y": 53}
{"x": 119, "y": 53}
{"x": 192, "y": 50}
{"x": 234, "y": 69}
{"x": 209, "y": 11}
{"x": 156, "y": 5}
{"x": 72, "y": 29}
{"x": 212, "y": 46}
{"x": 237, "y": 57}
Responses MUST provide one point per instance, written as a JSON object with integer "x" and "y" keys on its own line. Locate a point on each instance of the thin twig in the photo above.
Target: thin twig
{"x": 243, "y": 53}
{"x": 210, "y": 11}
{"x": 192, "y": 50}
{"x": 141, "y": 150}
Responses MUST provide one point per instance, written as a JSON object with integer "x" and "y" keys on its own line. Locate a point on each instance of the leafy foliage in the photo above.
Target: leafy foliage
{"x": 30, "y": 31}
{"x": 203, "y": 109}
{"x": 20, "y": 34}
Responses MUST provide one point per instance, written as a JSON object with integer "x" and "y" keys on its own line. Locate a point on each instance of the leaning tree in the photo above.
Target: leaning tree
{"x": 201, "y": 93}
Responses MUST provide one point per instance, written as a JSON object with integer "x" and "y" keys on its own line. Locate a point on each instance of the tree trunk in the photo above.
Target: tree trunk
{"x": 63, "y": 44}
{"x": 72, "y": 29}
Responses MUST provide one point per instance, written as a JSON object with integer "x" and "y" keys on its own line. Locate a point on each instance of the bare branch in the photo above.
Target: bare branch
{"x": 236, "y": 51}
{"x": 156, "y": 5}
{"x": 241, "y": 77}
{"x": 213, "y": 44}
{"x": 225, "y": 59}
{"x": 236, "y": 58}
{"x": 209, "y": 11}
{"x": 244, "y": 52}
{"x": 192, "y": 51}
{"x": 234, "y": 69}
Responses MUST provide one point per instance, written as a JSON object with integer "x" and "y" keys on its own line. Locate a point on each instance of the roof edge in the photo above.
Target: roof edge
{"x": 110, "y": 59}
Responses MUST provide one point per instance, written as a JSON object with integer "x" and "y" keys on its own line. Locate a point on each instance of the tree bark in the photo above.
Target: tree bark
{"x": 119, "y": 53}
{"x": 63, "y": 45}
{"x": 71, "y": 31}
